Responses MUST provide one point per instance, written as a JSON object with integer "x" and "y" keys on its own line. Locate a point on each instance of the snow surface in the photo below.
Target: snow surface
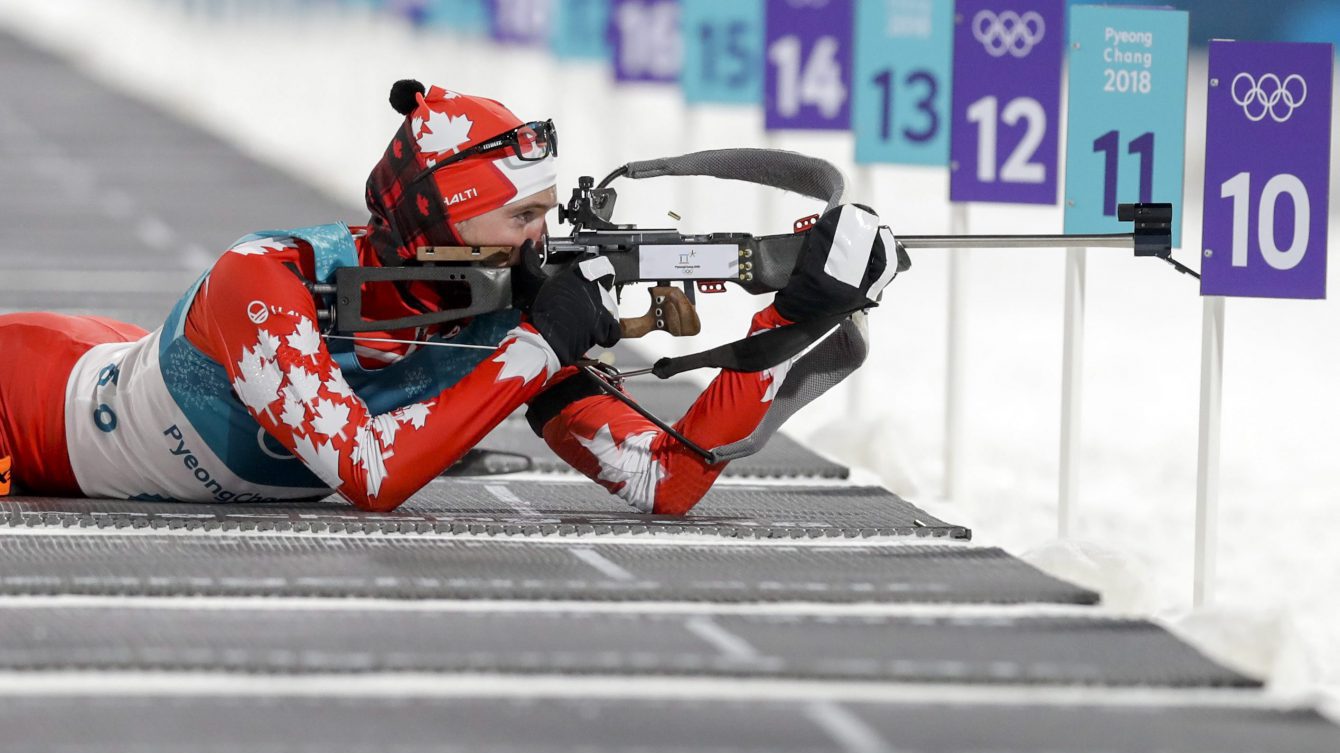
{"x": 307, "y": 92}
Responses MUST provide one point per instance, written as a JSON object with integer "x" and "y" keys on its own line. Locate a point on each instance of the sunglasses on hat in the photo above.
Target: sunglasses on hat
{"x": 528, "y": 142}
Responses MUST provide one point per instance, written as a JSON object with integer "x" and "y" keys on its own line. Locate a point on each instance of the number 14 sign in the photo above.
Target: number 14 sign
{"x": 1267, "y": 170}
{"x": 1006, "y": 100}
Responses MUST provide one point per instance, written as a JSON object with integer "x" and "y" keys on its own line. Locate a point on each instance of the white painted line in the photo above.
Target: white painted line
{"x": 730, "y": 645}
{"x": 607, "y": 568}
{"x": 652, "y": 538}
{"x": 846, "y": 728}
{"x": 691, "y": 608}
{"x": 411, "y": 685}
{"x": 506, "y": 496}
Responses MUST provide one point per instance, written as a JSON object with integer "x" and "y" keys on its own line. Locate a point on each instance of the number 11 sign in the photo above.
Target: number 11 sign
{"x": 1006, "y": 100}
{"x": 1126, "y": 138}
{"x": 1267, "y": 170}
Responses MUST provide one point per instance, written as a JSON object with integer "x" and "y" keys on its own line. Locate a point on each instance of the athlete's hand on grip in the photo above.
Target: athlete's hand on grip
{"x": 574, "y": 310}
{"x": 843, "y": 265}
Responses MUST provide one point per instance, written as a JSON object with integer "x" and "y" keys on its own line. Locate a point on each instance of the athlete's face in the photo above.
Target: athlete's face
{"x": 511, "y": 225}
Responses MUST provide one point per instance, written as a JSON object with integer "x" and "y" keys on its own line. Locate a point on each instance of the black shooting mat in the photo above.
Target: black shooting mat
{"x": 348, "y": 722}
{"x": 533, "y": 508}
{"x": 413, "y": 567}
{"x": 941, "y": 649}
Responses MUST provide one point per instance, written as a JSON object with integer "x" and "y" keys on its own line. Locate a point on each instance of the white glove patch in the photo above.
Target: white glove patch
{"x": 852, "y": 243}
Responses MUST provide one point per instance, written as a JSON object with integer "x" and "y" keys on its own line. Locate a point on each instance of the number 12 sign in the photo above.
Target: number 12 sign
{"x": 1006, "y": 100}
{"x": 1267, "y": 170}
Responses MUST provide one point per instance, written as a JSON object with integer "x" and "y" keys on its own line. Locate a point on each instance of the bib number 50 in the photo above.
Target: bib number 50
{"x": 1239, "y": 189}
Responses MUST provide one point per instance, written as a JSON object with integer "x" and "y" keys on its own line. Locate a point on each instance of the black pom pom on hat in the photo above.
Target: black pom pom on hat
{"x": 404, "y": 95}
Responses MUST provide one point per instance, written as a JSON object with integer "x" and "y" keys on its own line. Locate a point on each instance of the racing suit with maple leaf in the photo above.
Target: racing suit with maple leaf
{"x": 238, "y": 398}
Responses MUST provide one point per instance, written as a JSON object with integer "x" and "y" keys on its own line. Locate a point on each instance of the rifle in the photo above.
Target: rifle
{"x": 700, "y": 263}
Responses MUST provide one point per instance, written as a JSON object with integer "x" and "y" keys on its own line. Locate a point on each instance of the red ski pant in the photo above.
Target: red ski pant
{"x": 37, "y": 353}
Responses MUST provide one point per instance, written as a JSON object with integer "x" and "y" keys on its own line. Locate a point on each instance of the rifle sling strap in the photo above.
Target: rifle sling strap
{"x": 756, "y": 353}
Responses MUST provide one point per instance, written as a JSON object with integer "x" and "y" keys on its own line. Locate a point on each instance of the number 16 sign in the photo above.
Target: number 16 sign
{"x": 1006, "y": 100}
{"x": 1267, "y": 170}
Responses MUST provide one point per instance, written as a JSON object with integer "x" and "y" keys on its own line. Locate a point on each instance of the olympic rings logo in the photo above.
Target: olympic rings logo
{"x": 1009, "y": 32}
{"x": 1269, "y": 96}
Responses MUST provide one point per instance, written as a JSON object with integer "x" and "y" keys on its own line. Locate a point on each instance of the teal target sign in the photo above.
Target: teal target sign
{"x": 1126, "y": 140}
{"x": 901, "y": 80}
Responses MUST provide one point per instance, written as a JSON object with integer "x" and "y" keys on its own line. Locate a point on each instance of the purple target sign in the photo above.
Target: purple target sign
{"x": 1004, "y": 144}
{"x": 808, "y": 51}
{"x": 520, "y": 21}
{"x": 1267, "y": 170}
{"x": 646, "y": 39}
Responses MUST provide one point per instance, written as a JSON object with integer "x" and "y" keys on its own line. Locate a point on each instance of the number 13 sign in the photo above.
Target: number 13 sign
{"x": 1267, "y": 170}
{"x": 1006, "y": 100}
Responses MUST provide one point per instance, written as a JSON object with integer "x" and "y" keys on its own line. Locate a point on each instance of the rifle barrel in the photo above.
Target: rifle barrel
{"x": 946, "y": 242}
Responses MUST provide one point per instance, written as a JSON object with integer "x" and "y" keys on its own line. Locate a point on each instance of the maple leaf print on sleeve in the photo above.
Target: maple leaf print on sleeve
{"x": 305, "y": 338}
{"x": 331, "y": 418}
{"x": 526, "y": 355}
{"x": 258, "y": 381}
{"x": 629, "y": 464}
{"x": 282, "y": 369}
{"x": 303, "y": 384}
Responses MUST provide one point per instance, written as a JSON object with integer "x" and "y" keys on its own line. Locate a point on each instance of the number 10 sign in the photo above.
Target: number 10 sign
{"x": 1267, "y": 170}
{"x": 1006, "y": 100}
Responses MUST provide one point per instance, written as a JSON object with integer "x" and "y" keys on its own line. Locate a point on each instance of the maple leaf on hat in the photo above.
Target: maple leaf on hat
{"x": 258, "y": 382}
{"x": 305, "y": 339}
{"x": 442, "y": 133}
{"x": 331, "y": 418}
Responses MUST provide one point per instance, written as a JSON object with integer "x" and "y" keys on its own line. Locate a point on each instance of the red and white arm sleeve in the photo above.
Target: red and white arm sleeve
{"x": 628, "y": 455}
{"x": 257, "y": 319}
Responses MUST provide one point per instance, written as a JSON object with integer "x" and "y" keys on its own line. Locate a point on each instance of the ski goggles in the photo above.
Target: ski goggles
{"x": 528, "y": 142}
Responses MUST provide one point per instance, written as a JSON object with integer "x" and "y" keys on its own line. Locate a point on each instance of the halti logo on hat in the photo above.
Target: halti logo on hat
{"x": 469, "y": 193}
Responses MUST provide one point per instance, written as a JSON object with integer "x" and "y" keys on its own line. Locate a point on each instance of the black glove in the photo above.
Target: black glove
{"x": 843, "y": 265}
{"x": 527, "y": 277}
{"x": 574, "y": 310}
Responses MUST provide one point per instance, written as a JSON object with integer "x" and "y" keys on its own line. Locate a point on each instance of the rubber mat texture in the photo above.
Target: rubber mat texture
{"x": 408, "y": 724}
{"x": 532, "y": 508}
{"x": 1048, "y": 650}
{"x": 402, "y": 567}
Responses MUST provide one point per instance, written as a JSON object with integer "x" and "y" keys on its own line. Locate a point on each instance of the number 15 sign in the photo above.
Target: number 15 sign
{"x": 1007, "y": 100}
{"x": 1267, "y": 170}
